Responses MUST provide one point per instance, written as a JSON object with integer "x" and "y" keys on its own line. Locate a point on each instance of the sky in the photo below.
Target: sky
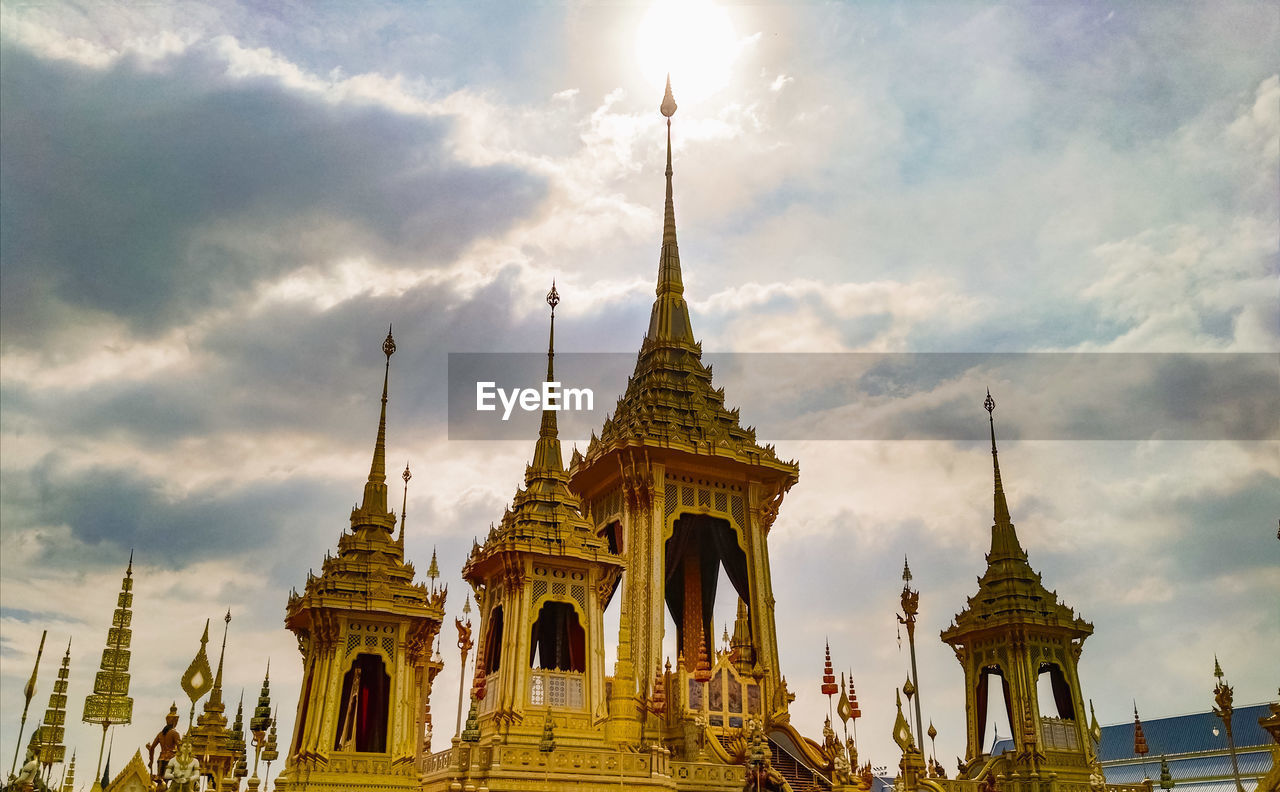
{"x": 209, "y": 214}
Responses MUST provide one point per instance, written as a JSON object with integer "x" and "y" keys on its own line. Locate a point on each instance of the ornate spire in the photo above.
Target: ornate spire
{"x": 404, "y": 503}
{"x": 546, "y": 455}
{"x": 1139, "y": 739}
{"x": 669, "y": 320}
{"x": 110, "y": 703}
{"x": 261, "y": 720}
{"x": 49, "y": 734}
{"x": 1004, "y": 539}
{"x": 373, "y": 509}
{"x": 215, "y": 698}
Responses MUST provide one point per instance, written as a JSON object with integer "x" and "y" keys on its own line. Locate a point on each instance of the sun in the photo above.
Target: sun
{"x": 692, "y": 40}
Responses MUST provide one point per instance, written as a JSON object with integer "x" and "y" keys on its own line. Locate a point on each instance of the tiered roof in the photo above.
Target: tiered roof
{"x": 670, "y": 401}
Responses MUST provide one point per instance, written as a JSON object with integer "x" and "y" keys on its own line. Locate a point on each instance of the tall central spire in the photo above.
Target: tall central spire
{"x": 669, "y": 320}
{"x": 375, "y": 489}
{"x": 546, "y": 455}
{"x": 1004, "y": 540}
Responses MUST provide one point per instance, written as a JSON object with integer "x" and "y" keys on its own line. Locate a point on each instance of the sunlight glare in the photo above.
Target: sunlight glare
{"x": 693, "y": 40}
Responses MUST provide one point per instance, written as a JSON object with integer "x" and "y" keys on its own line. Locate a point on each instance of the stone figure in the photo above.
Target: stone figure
{"x": 183, "y": 771}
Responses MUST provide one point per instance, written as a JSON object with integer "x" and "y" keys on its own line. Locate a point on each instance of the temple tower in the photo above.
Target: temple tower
{"x": 1012, "y": 632}
{"x": 365, "y": 631}
{"x": 682, "y": 490}
{"x": 542, "y": 580}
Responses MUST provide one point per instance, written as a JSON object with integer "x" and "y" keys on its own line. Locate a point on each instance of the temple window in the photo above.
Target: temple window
{"x": 362, "y": 718}
{"x": 558, "y": 641}
{"x": 989, "y": 695}
{"x": 1052, "y": 688}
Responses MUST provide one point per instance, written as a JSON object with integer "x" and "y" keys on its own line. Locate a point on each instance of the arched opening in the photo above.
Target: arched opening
{"x": 1051, "y": 686}
{"x": 492, "y": 657}
{"x": 699, "y": 547}
{"x": 559, "y": 642}
{"x": 366, "y": 696}
{"x": 989, "y": 698}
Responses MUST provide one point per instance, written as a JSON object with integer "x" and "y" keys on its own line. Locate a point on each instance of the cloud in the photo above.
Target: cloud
{"x": 147, "y": 196}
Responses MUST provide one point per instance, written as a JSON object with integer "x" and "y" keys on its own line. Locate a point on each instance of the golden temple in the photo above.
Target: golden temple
{"x": 671, "y": 492}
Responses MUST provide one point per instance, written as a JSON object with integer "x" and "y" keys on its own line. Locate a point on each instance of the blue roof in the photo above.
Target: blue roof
{"x": 1185, "y": 734}
{"x": 1185, "y": 771}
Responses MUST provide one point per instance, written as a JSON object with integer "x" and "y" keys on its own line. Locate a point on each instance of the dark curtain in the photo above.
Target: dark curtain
{"x": 493, "y": 646}
{"x": 1061, "y": 693}
{"x": 733, "y": 558}
{"x": 1008, "y": 704}
{"x": 717, "y": 545}
{"x": 673, "y": 578}
{"x": 371, "y": 725}
{"x": 559, "y": 641}
{"x": 577, "y": 655}
{"x": 982, "y": 710}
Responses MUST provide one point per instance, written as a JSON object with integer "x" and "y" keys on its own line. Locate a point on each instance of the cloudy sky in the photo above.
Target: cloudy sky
{"x": 209, "y": 213}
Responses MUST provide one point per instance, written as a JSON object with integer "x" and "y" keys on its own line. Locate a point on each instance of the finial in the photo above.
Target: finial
{"x": 906, "y": 572}
{"x": 668, "y": 107}
{"x": 546, "y": 454}
{"x": 373, "y": 507}
{"x": 433, "y": 571}
{"x": 389, "y": 345}
{"x": 1001, "y": 505}
{"x": 466, "y": 608}
{"x": 1217, "y": 669}
{"x": 129, "y": 571}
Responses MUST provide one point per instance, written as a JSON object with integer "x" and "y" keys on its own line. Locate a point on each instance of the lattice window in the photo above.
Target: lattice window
{"x": 738, "y": 512}
{"x": 537, "y": 690}
{"x": 353, "y": 641}
{"x": 686, "y": 496}
{"x": 556, "y": 691}
{"x": 580, "y": 595}
{"x": 704, "y": 498}
{"x": 722, "y": 502}
{"x": 389, "y": 646}
{"x": 539, "y": 589}
{"x": 558, "y": 588}
{"x": 669, "y": 499}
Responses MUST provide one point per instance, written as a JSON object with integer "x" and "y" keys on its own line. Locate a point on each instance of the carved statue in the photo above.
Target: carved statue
{"x": 841, "y": 770}
{"x": 183, "y": 771}
{"x": 830, "y": 743}
{"x": 761, "y": 777}
{"x": 28, "y": 775}
{"x": 1097, "y": 781}
{"x": 464, "y": 635}
{"x": 989, "y": 783}
{"x": 167, "y": 741}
